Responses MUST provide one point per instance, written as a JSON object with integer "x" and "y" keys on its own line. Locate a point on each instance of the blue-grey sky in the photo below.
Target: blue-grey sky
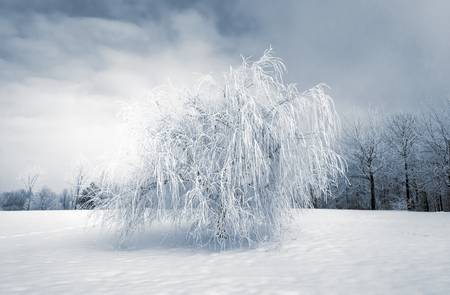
{"x": 66, "y": 65}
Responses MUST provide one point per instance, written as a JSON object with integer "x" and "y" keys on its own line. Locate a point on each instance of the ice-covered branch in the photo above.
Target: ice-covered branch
{"x": 234, "y": 162}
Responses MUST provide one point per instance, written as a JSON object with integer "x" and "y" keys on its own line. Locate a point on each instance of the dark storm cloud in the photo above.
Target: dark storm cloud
{"x": 227, "y": 19}
{"x": 64, "y": 64}
{"x": 383, "y": 53}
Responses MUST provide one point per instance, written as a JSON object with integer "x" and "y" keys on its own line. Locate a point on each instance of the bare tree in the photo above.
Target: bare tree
{"x": 437, "y": 147}
{"x": 78, "y": 182}
{"x": 401, "y": 134}
{"x": 65, "y": 199}
{"x": 364, "y": 151}
{"x": 14, "y": 200}
{"x": 45, "y": 200}
{"x": 29, "y": 179}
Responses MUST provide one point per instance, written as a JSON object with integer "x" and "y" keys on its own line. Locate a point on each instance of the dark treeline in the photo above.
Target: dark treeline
{"x": 46, "y": 199}
{"x": 398, "y": 161}
{"x": 395, "y": 162}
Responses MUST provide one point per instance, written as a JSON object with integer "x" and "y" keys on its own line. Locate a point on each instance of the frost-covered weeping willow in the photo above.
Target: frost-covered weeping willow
{"x": 231, "y": 164}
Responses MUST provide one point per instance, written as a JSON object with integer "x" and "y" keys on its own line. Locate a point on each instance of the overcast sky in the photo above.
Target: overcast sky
{"x": 65, "y": 66}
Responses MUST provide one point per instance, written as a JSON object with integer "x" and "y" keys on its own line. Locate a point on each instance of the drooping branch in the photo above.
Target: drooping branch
{"x": 232, "y": 165}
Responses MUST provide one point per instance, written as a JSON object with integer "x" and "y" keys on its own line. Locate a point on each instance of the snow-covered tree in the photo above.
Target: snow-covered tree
{"x": 65, "y": 199}
{"x": 45, "y": 199}
{"x": 232, "y": 163}
{"x": 364, "y": 150}
{"x": 29, "y": 179}
{"x": 436, "y": 139}
{"x": 401, "y": 133}
{"x": 78, "y": 181}
{"x": 13, "y": 200}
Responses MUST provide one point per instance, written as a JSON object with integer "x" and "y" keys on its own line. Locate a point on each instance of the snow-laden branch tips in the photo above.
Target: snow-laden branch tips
{"x": 232, "y": 164}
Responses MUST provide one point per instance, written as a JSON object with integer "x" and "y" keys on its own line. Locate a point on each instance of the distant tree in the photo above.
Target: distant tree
{"x": 29, "y": 179}
{"x": 89, "y": 196}
{"x": 436, "y": 140}
{"x": 45, "y": 200}
{"x": 65, "y": 199}
{"x": 410, "y": 155}
{"x": 14, "y": 200}
{"x": 364, "y": 144}
{"x": 79, "y": 182}
{"x": 401, "y": 134}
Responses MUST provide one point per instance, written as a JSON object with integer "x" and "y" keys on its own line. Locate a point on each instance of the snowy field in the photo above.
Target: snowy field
{"x": 323, "y": 252}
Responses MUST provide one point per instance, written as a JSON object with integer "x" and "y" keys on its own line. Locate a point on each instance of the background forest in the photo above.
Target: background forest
{"x": 399, "y": 161}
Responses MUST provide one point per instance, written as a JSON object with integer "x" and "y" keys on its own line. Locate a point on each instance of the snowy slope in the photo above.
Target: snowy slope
{"x": 324, "y": 251}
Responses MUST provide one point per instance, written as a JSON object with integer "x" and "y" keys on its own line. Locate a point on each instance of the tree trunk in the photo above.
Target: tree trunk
{"x": 385, "y": 202}
{"x": 373, "y": 202}
{"x": 30, "y": 194}
{"x": 448, "y": 198}
{"x": 426, "y": 204}
{"x": 448, "y": 174}
{"x": 448, "y": 190}
{"x": 448, "y": 193}
{"x": 409, "y": 201}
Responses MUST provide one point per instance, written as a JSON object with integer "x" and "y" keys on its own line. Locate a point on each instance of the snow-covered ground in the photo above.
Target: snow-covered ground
{"x": 323, "y": 252}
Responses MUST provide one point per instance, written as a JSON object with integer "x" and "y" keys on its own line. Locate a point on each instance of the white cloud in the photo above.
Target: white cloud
{"x": 64, "y": 65}
{"x": 59, "y": 98}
